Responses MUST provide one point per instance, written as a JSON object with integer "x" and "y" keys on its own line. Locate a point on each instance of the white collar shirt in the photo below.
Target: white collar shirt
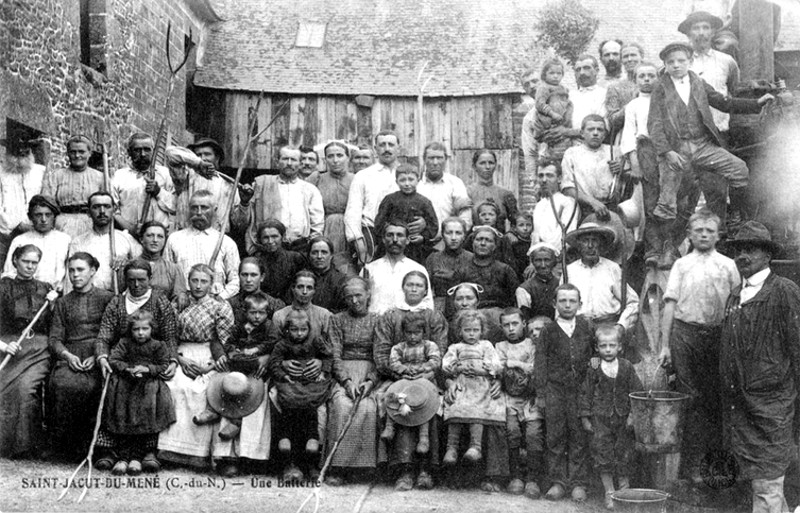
{"x": 753, "y": 285}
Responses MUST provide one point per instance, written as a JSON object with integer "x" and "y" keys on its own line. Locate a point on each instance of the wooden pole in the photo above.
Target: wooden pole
{"x": 25, "y": 332}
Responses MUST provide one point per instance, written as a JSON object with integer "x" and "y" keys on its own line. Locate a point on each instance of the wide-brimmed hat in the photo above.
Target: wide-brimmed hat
{"x": 411, "y": 402}
{"x": 207, "y": 141}
{"x": 754, "y": 234}
{"x": 590, "y": 226}
{"x": 234, "y": 395}
{"x": 676, "y": 45}
{"x": 696, "y": 17}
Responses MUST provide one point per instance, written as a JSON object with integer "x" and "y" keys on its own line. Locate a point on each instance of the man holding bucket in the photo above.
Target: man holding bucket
{"x": 760, "y": 368}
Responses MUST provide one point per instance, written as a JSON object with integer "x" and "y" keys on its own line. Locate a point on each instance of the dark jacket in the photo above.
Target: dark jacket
{"x": 663, "y": 117}
{"x": 759, "y": 367}
{"x": 564, "y": 360}
{"x": 603, "y": 396}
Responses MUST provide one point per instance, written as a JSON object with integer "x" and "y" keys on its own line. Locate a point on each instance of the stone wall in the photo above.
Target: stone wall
{"x": 45, "y": 86}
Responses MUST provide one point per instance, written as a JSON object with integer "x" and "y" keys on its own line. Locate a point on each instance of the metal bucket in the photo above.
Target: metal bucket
{"x": 640, "y": 500}
{"x": 658, "y": 420}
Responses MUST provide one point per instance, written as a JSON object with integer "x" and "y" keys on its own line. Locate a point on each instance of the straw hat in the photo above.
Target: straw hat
{"x": 591, "y": 226}
{"x": 234, "y": 395}
{"x": 630, "y": 213}
{"x": 697, "y": 17}
{"x": 412, "y": 402}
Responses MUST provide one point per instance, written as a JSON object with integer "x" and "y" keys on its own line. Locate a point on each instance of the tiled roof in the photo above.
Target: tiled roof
{"x": 377, "y": 47}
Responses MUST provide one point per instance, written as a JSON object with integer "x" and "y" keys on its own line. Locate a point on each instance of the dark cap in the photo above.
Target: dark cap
{"x": 697, "y": 17}
{"x": 753, "y": 233}
{"x": 677, "y": 45}
{"x": 207, "y": 141}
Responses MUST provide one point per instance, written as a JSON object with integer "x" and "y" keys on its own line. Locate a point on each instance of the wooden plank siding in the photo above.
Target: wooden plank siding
{"x": 463, "y": 124}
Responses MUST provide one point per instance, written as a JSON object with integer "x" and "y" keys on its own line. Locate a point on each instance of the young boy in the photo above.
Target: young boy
{"x": 636, "y": 144}
{"x": 414, "y": 358}
{"x": 605, "y": 411}
{"x": 566, "y": 349}
{"x": 247, "y": 351}
{"x": 546, "y": 227}
{"x": 536, "y": 296}
{"x": 301, "y": 390}
{"x": 517, "y": 354}
{"x": 518, "y": 241}
{"x": 685, "y": 137}
{"x": 407, "y": 205}
{"x": 535, "y": 325}
{"x": 694, "y": 308}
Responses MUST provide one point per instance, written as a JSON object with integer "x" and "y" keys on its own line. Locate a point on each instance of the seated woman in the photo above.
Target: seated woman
{"x": 330, "y": 281}
{"x": 464, "y": 296}
{"x": 352, "y": 335}
{"x": 204, "y": 327}
{"x": 251, "y": 275}
{"x": 73, "y": 391}
{"x": 302, "y": 292}
{"x": 166, "y": 275}
{"x": 388, "y": 333}
{"x": 115, "y": 325}
{"x": 499, "y": 281}
{"x": 22, "y": 379}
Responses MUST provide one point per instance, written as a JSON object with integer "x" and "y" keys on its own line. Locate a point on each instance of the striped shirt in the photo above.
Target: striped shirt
{"x": 72, "y": 188}
{"x": 190, "y": 246}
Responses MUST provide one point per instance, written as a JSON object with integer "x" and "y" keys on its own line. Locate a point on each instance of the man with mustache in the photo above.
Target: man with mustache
{"x": 599, "y": 279}
{"x": 195, "y": 244}
{"x": 759, "y": 367}
{"x": 610, "y": 54}
{"x": 96, "y": 243}
{"x": 386, "y": 273}
{"x": 718, "y": 69}
{"x": 131, "y": 186}
{"x": 20, "y": 180}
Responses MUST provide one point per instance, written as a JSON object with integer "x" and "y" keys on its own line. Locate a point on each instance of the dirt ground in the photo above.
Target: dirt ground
{"x": 35, "y": 486}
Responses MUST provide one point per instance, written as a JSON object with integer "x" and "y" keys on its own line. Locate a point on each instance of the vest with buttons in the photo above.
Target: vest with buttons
{"x": 690, "y": 121}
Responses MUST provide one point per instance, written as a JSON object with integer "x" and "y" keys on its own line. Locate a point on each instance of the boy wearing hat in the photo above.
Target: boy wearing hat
{"x": 694, "y": 303}
{"x": 759, "y": 366}
{"x": 686, "y": 139}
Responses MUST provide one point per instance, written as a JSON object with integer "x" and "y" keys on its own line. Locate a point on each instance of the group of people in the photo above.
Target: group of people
{"x": 423, "y": 324}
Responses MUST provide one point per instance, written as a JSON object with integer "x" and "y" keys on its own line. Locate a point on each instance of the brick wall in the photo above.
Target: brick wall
{"x": 45, "y": 85}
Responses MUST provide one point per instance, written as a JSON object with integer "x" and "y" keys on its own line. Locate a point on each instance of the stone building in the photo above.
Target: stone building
{"x": 95, "y": 67}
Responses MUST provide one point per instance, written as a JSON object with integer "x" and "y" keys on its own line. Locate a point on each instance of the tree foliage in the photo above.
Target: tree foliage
{"x": 566, "y": 26}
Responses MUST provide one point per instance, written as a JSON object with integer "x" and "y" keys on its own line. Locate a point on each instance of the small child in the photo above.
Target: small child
{"x": 566, "y": 350}
{"x": 247, "y": 344}
{"x": 536, "y": 295}
{"x": 535, "y": 325}
{"x": 414, "y": 358}
{"x": 139, "y": 404}
{"x": 553, "y": 108}
{"x": 407, "y": 205}
{"x": 605, "y": 411}
{"x": 471, "y": 366}
{"x": 302, "y": 386}
{"x": 518, "y": 241}
{"x": 488, "y": 214}
{"x": 517, "y": 354}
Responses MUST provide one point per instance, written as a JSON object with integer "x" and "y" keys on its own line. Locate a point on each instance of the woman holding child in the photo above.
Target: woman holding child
{"x": 484, "y": 164}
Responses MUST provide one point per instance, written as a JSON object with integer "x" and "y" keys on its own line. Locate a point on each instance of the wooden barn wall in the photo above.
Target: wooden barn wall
{"x": 463, "y": 124}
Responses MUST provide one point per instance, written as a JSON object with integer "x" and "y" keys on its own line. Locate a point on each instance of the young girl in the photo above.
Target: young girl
{"x": 139, "y": 404}
{"x": 473, "y": 394}
{"x": 414, "y": 358}
{"x": 553, "y": 107}
{"x": 301, "y": 366}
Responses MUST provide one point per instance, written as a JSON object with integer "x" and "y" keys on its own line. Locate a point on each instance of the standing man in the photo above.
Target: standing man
{"x": 131, "y": 186}
{"x": 718, "y": 69}
{"x": 96, "y": 242}
{"x": 447, "y": 192}
{"x": 610, "y": 52}
{"x": 622, "y": 91}
{"x": 386, "y": 273}
{"x": 688, "y": 142}
{"x": 20, "y": 180}
{"x": 309, "y": 162}
{"x": 70, "y": 187}
{"x": 294, "y": 202}
{"x": 368, "y": 189}
{"x": 195, "y": 245}
{"x": 760, "y": 369}
{"x": 205, "y": 177}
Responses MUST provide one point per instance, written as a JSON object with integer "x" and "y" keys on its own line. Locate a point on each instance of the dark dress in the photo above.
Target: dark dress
{"x": 72, "y": 397}
{"x": 138, "y": 406}
{"x": 280, "y": 266}
{"x": 263, "y": 338}
{"x": 329, "y": 291}
{"x": 22, "y": 379}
